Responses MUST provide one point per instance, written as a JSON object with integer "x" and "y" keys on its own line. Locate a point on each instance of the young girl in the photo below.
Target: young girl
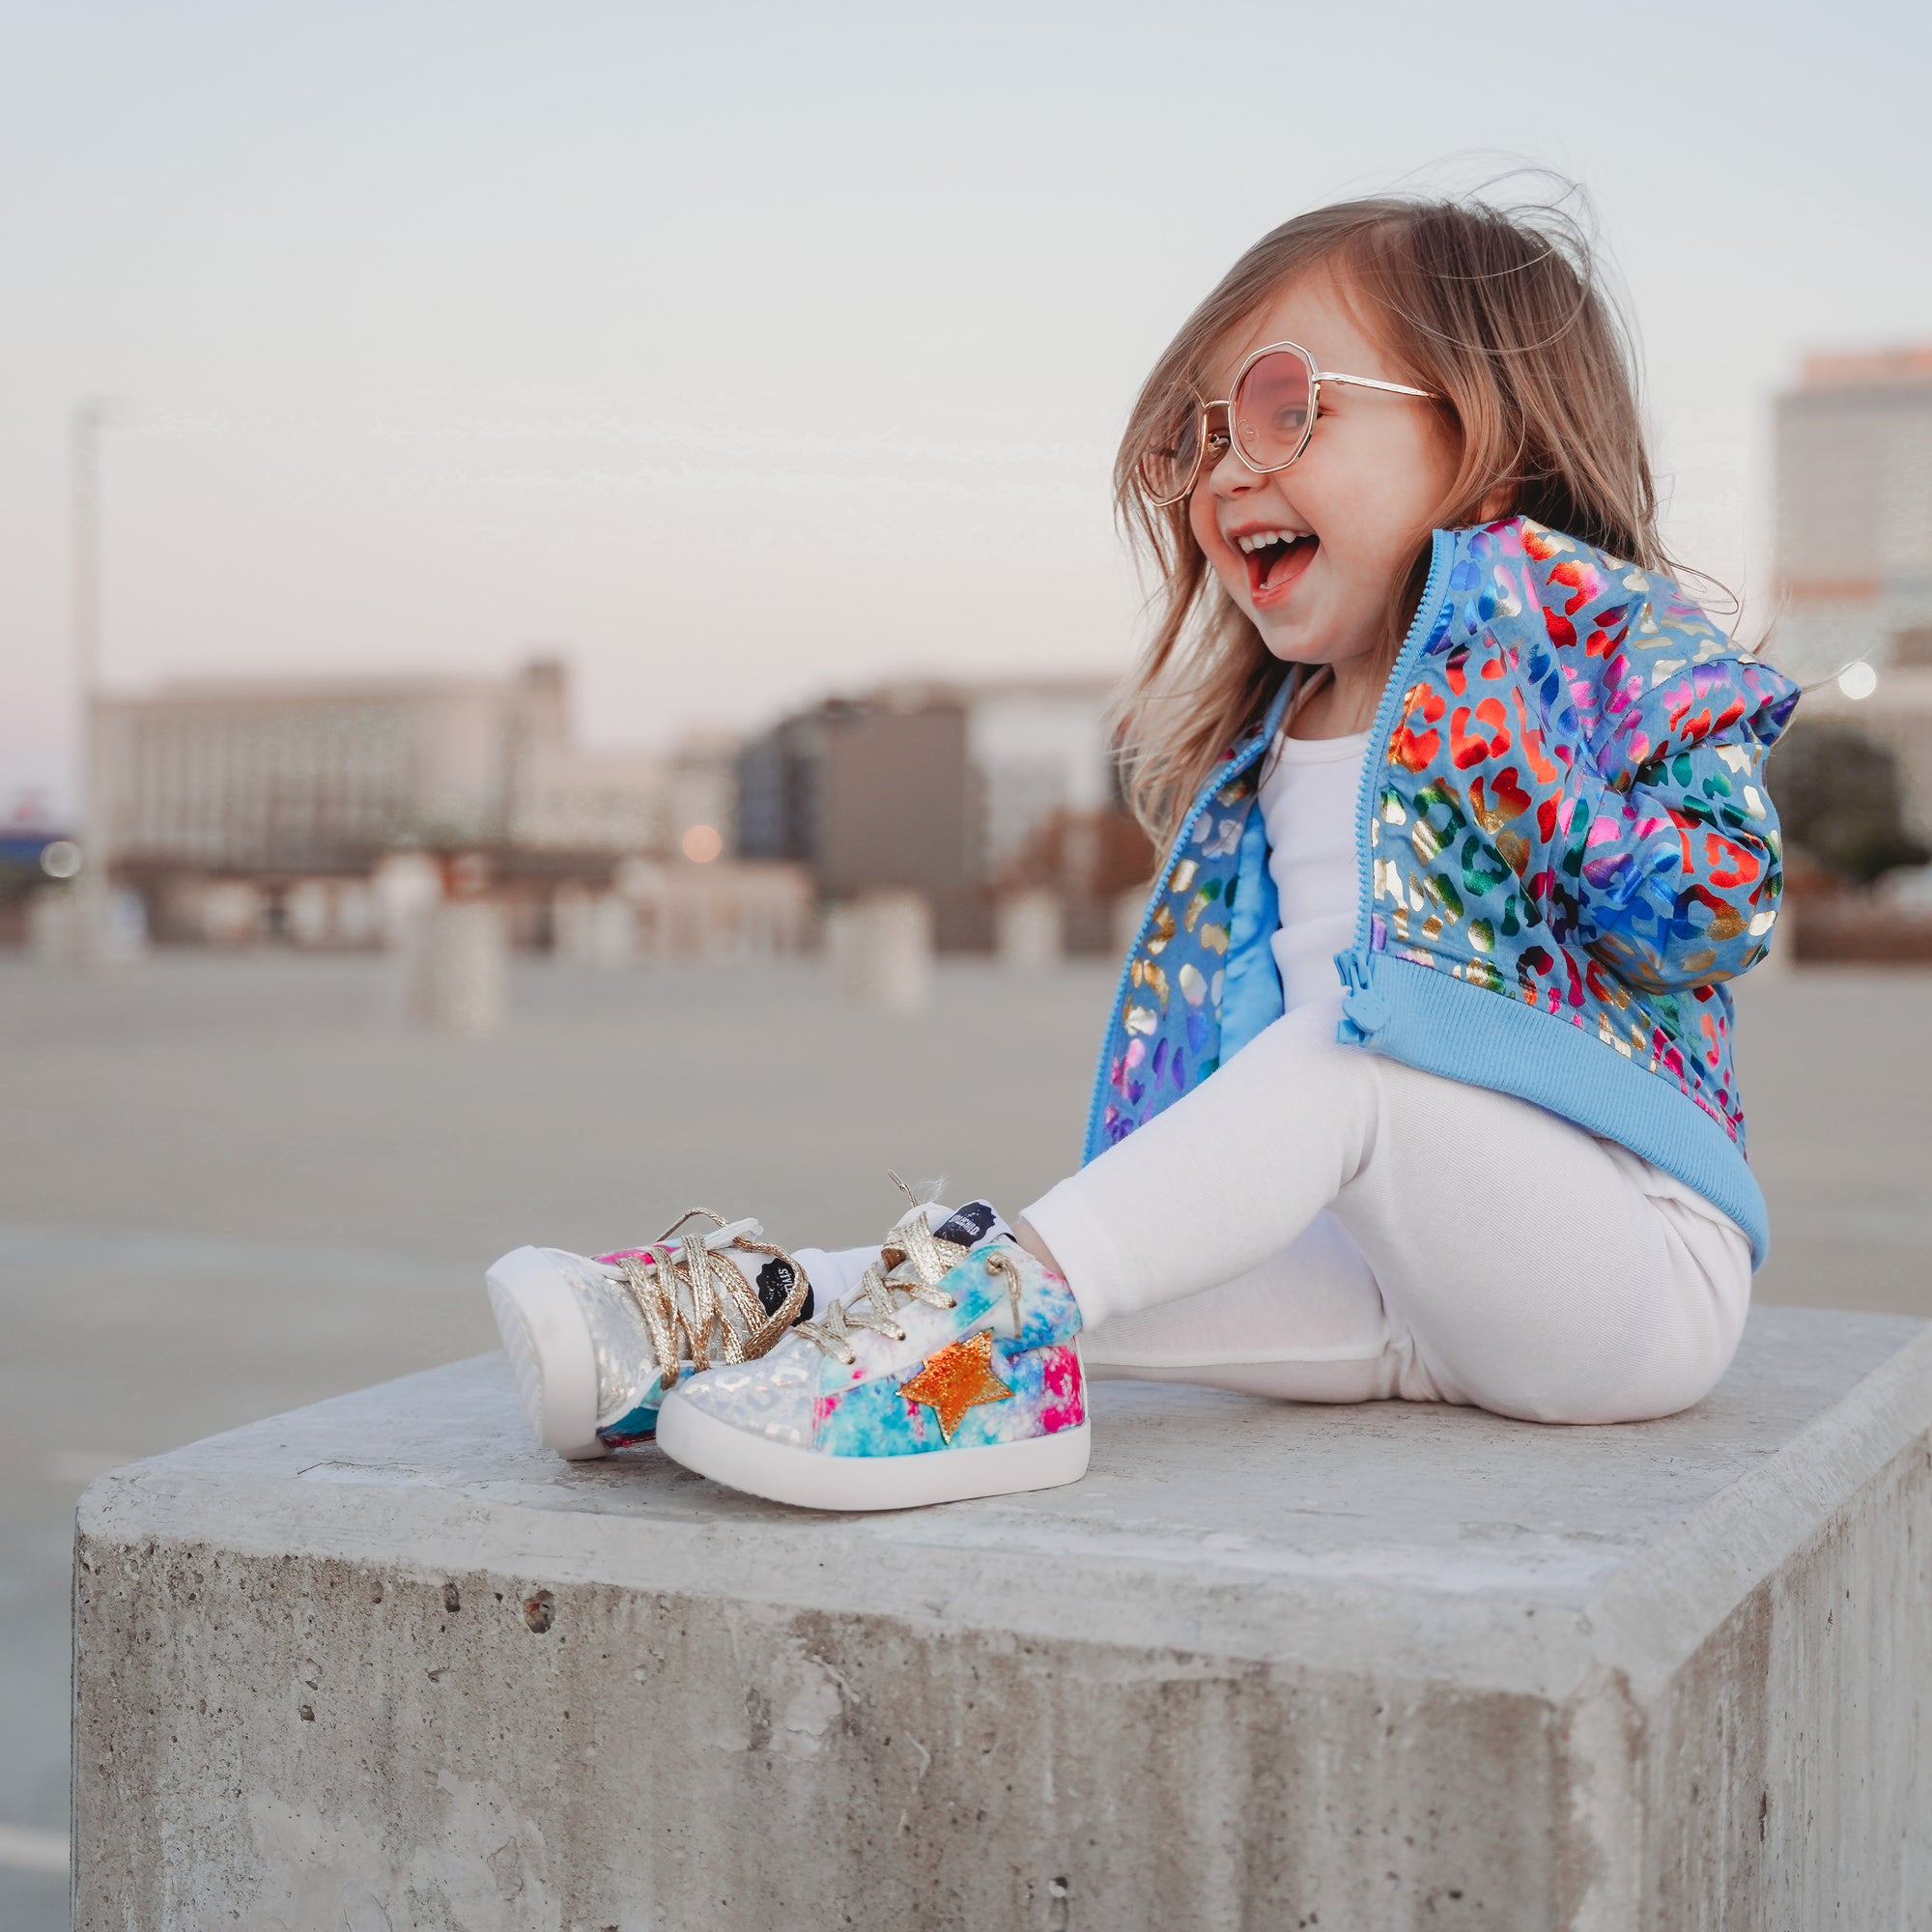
{"x": 1419, "y": 1080}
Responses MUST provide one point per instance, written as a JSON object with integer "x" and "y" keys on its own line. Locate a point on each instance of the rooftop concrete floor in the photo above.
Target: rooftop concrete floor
{"x": 229, "y": 1186}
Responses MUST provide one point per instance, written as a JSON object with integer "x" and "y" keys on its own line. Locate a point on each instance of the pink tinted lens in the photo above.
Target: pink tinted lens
{"x": 1270, "y": 409}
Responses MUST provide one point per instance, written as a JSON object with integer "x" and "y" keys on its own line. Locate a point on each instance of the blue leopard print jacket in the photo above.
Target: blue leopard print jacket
{"x": 1566, "y": 850}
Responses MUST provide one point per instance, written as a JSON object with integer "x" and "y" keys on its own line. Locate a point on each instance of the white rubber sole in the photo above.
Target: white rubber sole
{"x": 548, "y": 1346}
{"x": 812, "y": 1480}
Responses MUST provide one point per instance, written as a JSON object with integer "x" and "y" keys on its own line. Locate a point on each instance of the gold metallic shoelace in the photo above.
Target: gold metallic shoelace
{"x": 910, "y": 1267}
{"x": 690, "y": 1294}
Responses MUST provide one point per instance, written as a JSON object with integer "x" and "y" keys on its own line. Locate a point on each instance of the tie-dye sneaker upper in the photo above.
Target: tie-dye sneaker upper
{"x": 979, "y": 1354}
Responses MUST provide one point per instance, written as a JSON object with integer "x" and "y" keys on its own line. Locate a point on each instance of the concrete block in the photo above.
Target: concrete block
{"x": 879, "y": 948}
{"x": 593, "y": 929}
{"x": 379, "y": 1664}
{"x": 454, "y": 967}
{"x": 1029, "y": 931}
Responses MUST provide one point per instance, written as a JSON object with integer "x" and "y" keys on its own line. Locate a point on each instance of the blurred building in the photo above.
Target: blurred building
{"x": 703, "y": 795}
{"x": 958, "y": 791}
{"x": 1043, "y": 750}
{"x": 329, "y": 772}
{"x": 1855, "y": 546}
{"x": 556, "y": 795}
{"x": 322, "y": 812}
{"x": 872, "y": 792}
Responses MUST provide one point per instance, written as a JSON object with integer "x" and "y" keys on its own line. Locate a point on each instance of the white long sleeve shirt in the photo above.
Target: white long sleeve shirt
{"x": 1308, "y": 796}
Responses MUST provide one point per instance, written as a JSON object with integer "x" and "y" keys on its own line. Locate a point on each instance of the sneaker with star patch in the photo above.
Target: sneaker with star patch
{"x": 953, "y": 1372}
{"x": 595, "y": 1341}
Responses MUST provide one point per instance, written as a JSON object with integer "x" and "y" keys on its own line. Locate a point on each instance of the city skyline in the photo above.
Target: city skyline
{"x": 751, "y": 357}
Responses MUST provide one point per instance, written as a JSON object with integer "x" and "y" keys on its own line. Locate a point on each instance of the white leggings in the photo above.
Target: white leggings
{"x": 1323, "y": 1224}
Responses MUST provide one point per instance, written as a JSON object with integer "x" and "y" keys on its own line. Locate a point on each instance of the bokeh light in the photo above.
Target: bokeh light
{"x": 60, "y": 859}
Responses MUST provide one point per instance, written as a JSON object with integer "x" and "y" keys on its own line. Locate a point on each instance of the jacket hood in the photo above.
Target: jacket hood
{"x": 1626, "y": 658}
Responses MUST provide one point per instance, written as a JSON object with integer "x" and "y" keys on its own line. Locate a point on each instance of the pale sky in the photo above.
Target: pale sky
{"x": 749, "y": 352}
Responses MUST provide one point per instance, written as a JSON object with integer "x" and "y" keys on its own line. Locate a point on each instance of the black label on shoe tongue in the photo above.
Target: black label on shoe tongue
{"x": 969, "y": 1224}
{"x": 774, "y": 1280}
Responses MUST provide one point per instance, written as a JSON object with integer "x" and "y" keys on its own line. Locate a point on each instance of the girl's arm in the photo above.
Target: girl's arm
{"x": 1658, "y": 849}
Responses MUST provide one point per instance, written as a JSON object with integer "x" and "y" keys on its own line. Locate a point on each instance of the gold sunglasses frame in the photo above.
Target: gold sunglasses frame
{"x": 1317, "y": 375}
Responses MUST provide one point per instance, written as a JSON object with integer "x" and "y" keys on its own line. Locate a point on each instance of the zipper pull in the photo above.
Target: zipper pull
{"x": 1364, "y": 1010}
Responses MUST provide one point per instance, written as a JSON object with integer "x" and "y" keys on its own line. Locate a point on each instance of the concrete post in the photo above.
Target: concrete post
{"x": 594, "y": 929}
{"x": 68, "y": 929}
{"x": 1029, "y": 931}
{"x": 455, "y": 967}
{"x": 1391, "y": 1668}
{"x": 404, "y": 886}
{"x": 53, "y": 927}
{"x": 879, "y": 950}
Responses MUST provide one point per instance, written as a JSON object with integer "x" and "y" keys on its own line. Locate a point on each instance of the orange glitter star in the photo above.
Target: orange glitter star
{"x": 959, "y": 1378}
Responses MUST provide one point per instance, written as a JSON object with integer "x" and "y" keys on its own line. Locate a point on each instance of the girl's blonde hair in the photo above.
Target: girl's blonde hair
{"x": 1501, "y": 314}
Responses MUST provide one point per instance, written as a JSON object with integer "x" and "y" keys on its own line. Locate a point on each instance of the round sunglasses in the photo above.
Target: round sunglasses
{"x": 1270, "y": 413}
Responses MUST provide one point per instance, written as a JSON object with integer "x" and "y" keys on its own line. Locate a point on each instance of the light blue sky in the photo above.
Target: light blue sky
{"x": 749, "y": 352}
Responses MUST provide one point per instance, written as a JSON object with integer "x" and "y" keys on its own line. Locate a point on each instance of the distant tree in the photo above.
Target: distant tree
{"x": 1839, "y": 797}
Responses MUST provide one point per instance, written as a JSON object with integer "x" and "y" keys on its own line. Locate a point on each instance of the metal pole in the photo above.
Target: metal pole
{"x": 91, "y": 888}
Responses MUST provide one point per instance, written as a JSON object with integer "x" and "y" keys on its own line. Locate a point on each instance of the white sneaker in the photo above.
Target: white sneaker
{"x": 595, "y": 1341}
{"x": 952, "y": 1373}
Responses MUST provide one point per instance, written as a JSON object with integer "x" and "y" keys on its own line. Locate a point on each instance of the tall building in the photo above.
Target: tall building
{"x": 955, "y": 790}
{"x": 1855, "y": 548}
{"x": 872, "y": 792}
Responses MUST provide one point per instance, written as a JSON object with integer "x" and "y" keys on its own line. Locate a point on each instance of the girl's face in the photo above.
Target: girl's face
{"x": 1356, "y": 502}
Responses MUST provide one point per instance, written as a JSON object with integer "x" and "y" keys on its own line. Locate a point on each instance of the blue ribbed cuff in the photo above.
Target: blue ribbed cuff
{"x": 1426, "y": 1018}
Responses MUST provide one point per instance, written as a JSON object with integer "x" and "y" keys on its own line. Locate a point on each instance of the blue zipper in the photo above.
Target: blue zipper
{"x": 1366, "y": 1011}
{"x": 1233, "y": 769}
{"x": 1355, "y": 965}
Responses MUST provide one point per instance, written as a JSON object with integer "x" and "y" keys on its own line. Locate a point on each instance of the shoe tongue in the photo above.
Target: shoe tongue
{"x": 976, "y": 1222}
{"x": 773, "y": 1283}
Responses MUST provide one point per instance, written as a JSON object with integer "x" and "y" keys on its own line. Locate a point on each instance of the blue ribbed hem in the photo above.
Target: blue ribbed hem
{"x": 1444, "y": 1025}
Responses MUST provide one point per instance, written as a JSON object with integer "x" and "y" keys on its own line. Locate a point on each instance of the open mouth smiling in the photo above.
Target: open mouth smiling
{"x": 1276, "y": 558}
